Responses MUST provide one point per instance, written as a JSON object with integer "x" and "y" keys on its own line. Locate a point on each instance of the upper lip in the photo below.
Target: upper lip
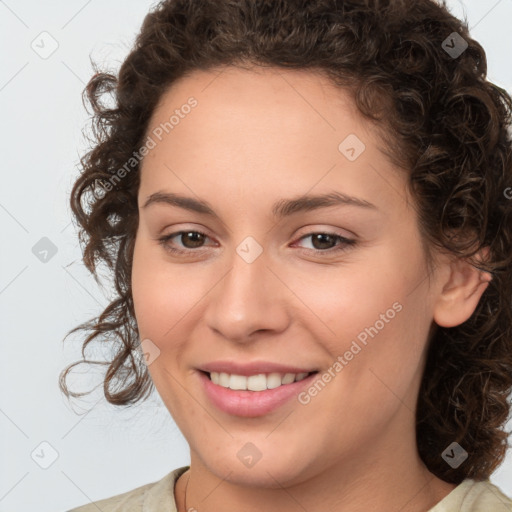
{"x": 251, "y": 368}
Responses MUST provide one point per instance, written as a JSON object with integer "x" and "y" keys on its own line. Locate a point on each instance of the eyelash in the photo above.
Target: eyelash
{"x": 344, "y": 246}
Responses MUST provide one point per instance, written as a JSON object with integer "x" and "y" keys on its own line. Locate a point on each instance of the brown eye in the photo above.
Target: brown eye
{"x": 326, "y": 242}
{"x": 190, "y": 240}
{"x": 194, "y": 237}
{"x": 323, "y": 241}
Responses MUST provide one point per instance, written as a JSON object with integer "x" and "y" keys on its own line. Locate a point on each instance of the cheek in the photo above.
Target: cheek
{"x": 162, "y": 293}
{"x": 341, "y": 302}
{"x": 163, "y": 297}
{"x": 372, "y": 313}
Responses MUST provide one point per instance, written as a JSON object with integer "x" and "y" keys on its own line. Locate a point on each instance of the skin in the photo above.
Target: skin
{"x": 257, "y": 136}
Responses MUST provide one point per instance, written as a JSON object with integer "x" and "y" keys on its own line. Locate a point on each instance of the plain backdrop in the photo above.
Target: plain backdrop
{"x": 55, "y": 456}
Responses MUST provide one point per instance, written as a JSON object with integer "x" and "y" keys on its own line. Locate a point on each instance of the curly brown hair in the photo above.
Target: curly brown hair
{"x": 440, "y": 119}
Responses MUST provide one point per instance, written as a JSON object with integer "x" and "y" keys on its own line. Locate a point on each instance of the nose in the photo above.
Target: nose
{"x": 249, "y": 299}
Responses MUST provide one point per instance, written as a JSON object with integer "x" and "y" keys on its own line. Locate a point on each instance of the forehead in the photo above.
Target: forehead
{"x": 282, "y": 97}
{"x": 250, "y": 129}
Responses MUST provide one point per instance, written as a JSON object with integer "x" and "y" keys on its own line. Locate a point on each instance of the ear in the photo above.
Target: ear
{"x": 460, "y": 291}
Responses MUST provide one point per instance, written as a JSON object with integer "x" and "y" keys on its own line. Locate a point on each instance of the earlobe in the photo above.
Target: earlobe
{"x": 460, "y": 294}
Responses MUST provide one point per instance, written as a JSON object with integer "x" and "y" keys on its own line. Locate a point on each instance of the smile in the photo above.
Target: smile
{"x": 241, "y": 400}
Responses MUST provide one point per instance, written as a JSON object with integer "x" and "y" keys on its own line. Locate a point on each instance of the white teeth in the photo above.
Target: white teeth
{"x": 256, "y": 382}
{"x": 259, "y": 382}
{"x": 288, "y": 378}
{"x": 223, "y": 380}
{"x": 237, "y": 382}
{"x": 273, "y": 380}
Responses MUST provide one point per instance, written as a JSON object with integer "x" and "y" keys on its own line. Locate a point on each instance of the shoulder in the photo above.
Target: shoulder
{"x": 484, "y": 496}
{"x": 475, "y": 496}
{"x": 151, "y": 497}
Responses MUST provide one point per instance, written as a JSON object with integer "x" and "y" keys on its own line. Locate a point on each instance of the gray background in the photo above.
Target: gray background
{"x": 99, "y": 451}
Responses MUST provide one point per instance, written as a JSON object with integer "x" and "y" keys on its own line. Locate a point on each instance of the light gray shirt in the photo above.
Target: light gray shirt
{"x": 468, "y": 496}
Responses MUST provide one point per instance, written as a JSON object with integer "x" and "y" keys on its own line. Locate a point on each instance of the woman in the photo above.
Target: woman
{"x": 305, "y": 209}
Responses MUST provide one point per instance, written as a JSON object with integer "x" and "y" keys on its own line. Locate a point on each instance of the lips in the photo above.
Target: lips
{"x": 247, "y": 403}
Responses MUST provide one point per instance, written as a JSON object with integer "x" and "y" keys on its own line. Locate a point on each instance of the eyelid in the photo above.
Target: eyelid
{"x": 186, "y": 229}
{"x": 328, "y": 230}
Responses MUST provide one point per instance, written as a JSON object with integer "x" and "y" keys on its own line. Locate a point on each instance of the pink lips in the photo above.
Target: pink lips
{"x": 252, "y": 403}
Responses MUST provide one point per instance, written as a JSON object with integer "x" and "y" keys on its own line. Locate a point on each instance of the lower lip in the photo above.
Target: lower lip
{"x": 251, "y": 403}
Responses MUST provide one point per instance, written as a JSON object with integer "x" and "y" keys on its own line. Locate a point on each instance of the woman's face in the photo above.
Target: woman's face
{"x": 272, "y": 285}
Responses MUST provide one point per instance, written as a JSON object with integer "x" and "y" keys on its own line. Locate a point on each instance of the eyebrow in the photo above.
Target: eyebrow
{"x": 280, "y": 209}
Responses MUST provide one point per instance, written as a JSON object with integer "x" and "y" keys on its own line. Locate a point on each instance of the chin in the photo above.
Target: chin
{"x": 273, "y": 472}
